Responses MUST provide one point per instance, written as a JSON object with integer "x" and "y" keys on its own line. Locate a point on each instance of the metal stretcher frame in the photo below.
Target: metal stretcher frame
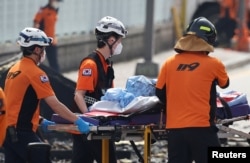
{"x": 227, "y": 131}
{"x": 146, "y": 132}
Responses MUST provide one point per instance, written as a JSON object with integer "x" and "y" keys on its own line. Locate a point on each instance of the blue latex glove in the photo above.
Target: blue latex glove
{"x": 45, "y": 123}
{"x": 82, "y": 125}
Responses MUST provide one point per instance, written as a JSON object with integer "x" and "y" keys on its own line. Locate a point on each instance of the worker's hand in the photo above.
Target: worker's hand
{"x": 45, "y": 123}
{"x": 82, "y": 125}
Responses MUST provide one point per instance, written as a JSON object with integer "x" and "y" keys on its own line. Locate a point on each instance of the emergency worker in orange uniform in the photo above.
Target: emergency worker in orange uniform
{"x": 94, "y": 78}
{"x": 45, "y": 19}
{"x": 227, "y": 23}
{"x": 187, "y": 84}
{"x": 25, "y": 85}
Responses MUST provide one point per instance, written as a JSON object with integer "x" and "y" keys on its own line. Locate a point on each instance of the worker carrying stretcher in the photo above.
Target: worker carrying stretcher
{"x": 187, "y": 85}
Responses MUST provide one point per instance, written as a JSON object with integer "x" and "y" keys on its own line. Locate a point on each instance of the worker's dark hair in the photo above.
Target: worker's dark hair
{"x": 28, "y": 50}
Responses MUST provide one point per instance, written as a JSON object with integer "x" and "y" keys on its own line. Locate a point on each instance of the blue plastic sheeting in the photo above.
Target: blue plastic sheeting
{"x": 119, "y": 95}
{"x": 140, "y": 86}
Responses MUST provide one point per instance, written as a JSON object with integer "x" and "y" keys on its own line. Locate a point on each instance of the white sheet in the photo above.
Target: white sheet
{"x": 140, "y": 103}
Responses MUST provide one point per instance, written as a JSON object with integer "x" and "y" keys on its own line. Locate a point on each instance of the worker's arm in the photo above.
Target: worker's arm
{"x": 161, "y": 94}
{"x": 60, "y": 108}
{"x": 38, "y": 18}
{"x": 65, "y": 113}
{"x": 80, "y": 101}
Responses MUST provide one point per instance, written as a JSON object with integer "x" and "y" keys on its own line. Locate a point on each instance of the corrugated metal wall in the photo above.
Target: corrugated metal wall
{"x": 77, "y": 16}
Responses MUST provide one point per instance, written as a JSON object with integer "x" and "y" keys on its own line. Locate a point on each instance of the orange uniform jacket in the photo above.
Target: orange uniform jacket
{"x": 2, "y": 117}
{"x": 25, "y": 85}
{"x": 189, "y": 80}
{"x": 232, "y": 7}
{"x": 88, "y": 74}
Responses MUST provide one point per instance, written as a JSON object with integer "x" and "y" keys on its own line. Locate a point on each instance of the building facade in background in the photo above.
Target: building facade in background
{"x": 77, "y": 16}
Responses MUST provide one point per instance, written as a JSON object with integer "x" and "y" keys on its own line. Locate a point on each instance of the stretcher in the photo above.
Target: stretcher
{"x": 146, "y": 125}
{"x": 148, "y": 133}
{"x": 149, "y": 124}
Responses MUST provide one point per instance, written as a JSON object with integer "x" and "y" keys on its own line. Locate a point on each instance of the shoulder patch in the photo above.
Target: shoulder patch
{"x": 87, "y": 72}
{"x": 44, "y": 78}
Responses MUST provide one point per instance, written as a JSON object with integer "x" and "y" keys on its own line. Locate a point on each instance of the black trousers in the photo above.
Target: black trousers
{"x": 191, "y": 144}
{"x": 51, "y": 54}
{"x": 17, "y": 152}
{"x": 89, "y": 150}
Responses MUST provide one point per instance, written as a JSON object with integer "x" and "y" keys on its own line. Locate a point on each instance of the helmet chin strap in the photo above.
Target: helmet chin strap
{"x": 110, "y": 48}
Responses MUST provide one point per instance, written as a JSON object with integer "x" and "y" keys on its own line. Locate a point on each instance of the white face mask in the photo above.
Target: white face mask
{"x": 42, "y": 59}
{"x": 55, "y": 5}
{"x": 118, "y": 49}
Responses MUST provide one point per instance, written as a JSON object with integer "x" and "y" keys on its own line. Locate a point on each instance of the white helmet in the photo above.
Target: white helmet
{"x": 110, "y": 24}
{"x": 32, "y": 36}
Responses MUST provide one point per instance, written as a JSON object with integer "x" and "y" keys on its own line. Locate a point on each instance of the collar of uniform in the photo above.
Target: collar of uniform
{"x": 102, "y": 57}
{"x": 28, "y": 59}
{"x": 51, "y": 8}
